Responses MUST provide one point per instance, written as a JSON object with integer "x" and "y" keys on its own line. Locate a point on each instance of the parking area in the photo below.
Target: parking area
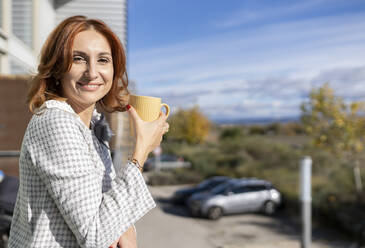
{"x": 172, "y": 226}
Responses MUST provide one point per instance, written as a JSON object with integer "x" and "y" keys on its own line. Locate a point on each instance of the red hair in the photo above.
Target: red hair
{"x": 56, "y": 59}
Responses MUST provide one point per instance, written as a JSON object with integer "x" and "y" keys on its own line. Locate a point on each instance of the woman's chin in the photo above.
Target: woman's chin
{"x": 83, "y": 102}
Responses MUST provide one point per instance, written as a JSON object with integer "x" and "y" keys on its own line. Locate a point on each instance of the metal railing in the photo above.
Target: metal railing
{"x": 9, "y": 154}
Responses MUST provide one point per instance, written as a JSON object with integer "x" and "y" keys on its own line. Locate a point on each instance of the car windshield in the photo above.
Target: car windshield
{"x": 220, "y": 189}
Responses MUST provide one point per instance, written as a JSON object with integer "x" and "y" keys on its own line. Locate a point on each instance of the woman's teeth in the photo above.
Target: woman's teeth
{"x": 91, "y": 86}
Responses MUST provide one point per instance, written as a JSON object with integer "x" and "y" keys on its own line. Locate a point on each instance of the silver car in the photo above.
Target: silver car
{"x": 235, "y": 196}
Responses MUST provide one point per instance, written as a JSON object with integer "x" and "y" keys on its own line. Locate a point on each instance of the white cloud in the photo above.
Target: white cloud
{"x": 265, "y": 72}
{"x": 260, "y": 12}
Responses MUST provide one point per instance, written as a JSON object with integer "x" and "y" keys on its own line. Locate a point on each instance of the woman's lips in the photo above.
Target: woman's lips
{"x": 89, "y": 86}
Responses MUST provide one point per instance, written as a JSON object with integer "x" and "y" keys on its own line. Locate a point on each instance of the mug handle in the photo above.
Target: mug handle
{"x": 167, "y": 108}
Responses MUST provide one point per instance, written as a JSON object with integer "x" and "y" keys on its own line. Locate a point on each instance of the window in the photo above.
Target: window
{"x": 221, "y": 188}
{"x": 239, "y": 190}
{"x": 248, "y": 188}
{"x": 1, "y": 14}
{"x": 253, "y": 188}
{"x": 22, "y": 20}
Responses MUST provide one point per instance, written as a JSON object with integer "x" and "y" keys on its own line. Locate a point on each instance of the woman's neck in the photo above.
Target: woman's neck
{"x": 85, "y": 113}
{"x": 86, "y": 116}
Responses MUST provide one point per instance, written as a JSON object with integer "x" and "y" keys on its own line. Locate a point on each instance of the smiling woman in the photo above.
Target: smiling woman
{"x": 69, "y": 45}
{"x": 91, "y": 74}
{"x": 69, "y": 193}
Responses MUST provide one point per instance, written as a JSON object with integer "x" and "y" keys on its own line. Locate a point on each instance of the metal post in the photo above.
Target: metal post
{"x": 357, "y": 175}
{"x": 306, "y": 199}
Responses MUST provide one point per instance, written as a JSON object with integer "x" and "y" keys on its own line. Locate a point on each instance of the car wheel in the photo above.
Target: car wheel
{"x": 215, "y": 213}
{"x": 269, "y": 208}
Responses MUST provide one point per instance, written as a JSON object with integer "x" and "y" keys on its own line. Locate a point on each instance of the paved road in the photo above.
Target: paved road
{"x": 171, "y": 226}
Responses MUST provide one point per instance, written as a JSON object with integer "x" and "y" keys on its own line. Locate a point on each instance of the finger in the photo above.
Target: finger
{"x": 133, "y": 114}
{"x": 161, "y": 119}
{"x": 165, "y": 128}
{"x": 162, "y": 116}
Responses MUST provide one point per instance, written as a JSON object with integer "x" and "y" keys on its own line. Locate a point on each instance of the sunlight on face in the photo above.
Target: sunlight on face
{"x": 91, "y": 74}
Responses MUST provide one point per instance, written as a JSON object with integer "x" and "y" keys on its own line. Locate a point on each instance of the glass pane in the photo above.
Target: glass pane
{"x": 1, "y": 13}
{"x": 22, "y": 18}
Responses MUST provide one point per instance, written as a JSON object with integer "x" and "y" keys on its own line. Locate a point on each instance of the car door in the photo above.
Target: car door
{"x": 237, "y": 200}
{"x": 248, "y": 198}
{"x": 255, "y": 197}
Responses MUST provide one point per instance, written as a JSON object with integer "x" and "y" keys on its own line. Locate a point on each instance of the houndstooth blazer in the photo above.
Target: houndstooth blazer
{"x": 69, "y": 194}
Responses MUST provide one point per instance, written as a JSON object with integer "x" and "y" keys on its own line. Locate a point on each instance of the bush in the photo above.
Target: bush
{"x": 257, "y": 130}
{"x": 231, "y": 133}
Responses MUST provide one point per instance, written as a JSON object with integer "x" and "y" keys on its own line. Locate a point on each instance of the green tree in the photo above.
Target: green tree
{"x": 189, "y": 125}
{"x": 231, "y": 133}
{"x": 336, "y": 125}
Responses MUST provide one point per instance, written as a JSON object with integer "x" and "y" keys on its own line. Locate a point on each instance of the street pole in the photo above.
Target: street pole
{"x": 306, "y": 200}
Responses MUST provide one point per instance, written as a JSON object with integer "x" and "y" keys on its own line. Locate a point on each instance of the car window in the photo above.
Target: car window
{"x": 204, "y": 184}
{"x": 248, "y": 188}
{"x": 221, "y": 188}
{"x": 214, "y": 183}
{"x": 253, "y": 188}
{"x": 239, "y": 190}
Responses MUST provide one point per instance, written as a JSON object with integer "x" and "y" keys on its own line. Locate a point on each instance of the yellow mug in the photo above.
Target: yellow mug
{"x": 148, "y": 107}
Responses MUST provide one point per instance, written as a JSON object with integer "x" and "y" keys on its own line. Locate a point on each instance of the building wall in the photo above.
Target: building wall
{"x": 14, "y": 113}
{"x": 14, "y": 117}
{"x": 112, "y": 12}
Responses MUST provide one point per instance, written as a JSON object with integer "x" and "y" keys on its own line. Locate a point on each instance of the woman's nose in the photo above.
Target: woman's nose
{"x": 91, "y": 71}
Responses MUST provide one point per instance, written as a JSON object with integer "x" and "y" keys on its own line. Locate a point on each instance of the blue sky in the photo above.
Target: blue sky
{"x": 242, "y": 59}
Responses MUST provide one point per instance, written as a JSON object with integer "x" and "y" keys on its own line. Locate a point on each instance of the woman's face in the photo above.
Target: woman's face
{"x": 91, "y": 74}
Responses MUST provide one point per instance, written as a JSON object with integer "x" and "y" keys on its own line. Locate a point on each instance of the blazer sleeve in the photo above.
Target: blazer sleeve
{"x": 62, "y": 160}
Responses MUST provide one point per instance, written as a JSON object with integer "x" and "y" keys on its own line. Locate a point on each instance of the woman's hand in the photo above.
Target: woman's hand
{"x": 127, "y": 240}
{"x": 148, "y": 134}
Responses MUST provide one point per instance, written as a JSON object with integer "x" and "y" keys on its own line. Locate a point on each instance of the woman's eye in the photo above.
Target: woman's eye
{"x": 78, "y": 59}
{"x": 104, "y": 60}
